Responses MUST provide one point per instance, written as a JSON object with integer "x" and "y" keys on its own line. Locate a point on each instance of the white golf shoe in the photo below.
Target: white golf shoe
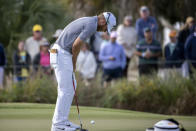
{"x": 62, "y": 128}
{"x": 72, "y": 125}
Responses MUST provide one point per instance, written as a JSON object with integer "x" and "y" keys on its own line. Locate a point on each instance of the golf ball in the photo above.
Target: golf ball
{"x": 92, "y": 122}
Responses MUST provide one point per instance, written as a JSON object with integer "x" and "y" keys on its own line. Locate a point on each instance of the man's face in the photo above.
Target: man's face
{"x": 127, "y": 22}
{"x": 148, "y": 35}
{"x": 173, "y": 39}
{"x": 113, "y": 40}
{"x": 144, "y": 14}
{"x": 37, "y": 34}
{"x": 102, "y": 25}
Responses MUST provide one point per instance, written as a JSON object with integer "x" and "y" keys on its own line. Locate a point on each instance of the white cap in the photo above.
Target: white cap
{"x": 57, "y": 33}
{"x": 144, "y": 8}
{"x": 110, "y": 19}
{"x": 113, "y": 34}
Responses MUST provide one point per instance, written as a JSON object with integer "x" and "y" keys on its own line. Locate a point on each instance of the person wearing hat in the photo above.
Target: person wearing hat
{"x": 146, "y": 21}
{"x": 127, "y": 37}
{"x": 42, "y": 59}
{"x": 113, "y": 59}
{"x": 169, "y": 49}
{"x": 63, "y": 58}
{"x": 148, "y": 50}
{"x": 32, "y": 43}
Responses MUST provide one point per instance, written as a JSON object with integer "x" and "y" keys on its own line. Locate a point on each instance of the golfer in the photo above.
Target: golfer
{"x": 63, "y": 56}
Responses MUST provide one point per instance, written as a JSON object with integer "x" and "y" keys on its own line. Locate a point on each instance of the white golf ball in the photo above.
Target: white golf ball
{"x": 92, "y": 122}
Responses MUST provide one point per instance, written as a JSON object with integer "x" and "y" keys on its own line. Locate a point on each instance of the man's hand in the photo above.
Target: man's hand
{"x": 112, "y": 58}
{"x": 75, "y": 51}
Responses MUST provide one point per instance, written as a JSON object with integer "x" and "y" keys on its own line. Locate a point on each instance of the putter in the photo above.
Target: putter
{"x": 76, "y": 100}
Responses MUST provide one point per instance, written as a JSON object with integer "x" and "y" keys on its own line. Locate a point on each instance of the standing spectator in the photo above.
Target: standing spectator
{"x": 42, "y": 59}
{"x": 145, "y": 21}
{"x": 86, "y": 63}
{"x": 186, "y": 30}
{"x": 127, "y": 37}
{"x": 2, "y": 64}
{"x": 190, "y": 50}
{"x": 113, "y": 59}
{"x": 21, "y": 61}
{"x": 148, "y": 50}
{"x": 169, "y": 49}
{"x": 33, "y": 43}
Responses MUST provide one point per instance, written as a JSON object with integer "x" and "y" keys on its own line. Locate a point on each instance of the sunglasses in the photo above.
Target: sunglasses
{"x": 107, "y": 21}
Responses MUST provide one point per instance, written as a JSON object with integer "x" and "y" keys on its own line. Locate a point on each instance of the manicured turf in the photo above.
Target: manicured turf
{"x": 37, "y": 117}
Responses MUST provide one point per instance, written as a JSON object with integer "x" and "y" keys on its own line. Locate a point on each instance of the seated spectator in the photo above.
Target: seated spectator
{"x": 21, "y": 61}
{"x": 32, "y": 44}
{"x": 169, "y": 49}
{"x": 42, "y": 59}
{"x": 86, "y": 64}
{"x": 2, "y": 64}
{"x": 145, "y": 21}
{"x": 127, "y": 37}
{"x": 190, "y": 51}
{"x": 148, "y": 50}
{"x": 113, "y": 59}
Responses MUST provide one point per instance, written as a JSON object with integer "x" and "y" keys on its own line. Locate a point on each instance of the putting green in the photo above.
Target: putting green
{"x": 37, "y": 117}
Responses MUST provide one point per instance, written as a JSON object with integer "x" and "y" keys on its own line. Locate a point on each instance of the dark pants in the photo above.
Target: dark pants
{"x": 110, "y": 74}
{"x": 148, "y": 69}
{"x": 126, "y": 70}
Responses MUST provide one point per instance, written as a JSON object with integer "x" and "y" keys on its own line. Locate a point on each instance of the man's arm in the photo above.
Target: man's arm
{"x": 75, "y": 51}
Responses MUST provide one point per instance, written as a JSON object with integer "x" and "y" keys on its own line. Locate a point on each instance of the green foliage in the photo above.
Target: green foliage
{"x": 36, "y": 89}
{"x": 175, "y": 95}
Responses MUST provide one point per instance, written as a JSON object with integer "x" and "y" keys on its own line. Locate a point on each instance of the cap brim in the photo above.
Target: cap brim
{"x": 109, "y": 28}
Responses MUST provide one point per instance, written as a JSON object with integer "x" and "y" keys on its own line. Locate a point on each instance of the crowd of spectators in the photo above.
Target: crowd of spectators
{"x": 111, "y": 54}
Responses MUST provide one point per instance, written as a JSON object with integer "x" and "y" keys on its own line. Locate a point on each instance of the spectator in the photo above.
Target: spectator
{"x": 21, "y": 61}
{"x": 105, "y": 38}
{"x": 113, "y": 59}
{"x": 169, "y": 49}
{"x": 127, "y": 37}
{"x": 33, "y": 43}
{"x": 186, "y": 30}
{"x": 145, "y": 21}
{"x": 86, "y": 63}
{"x": 148, "y": 50}
{"x": 190, "y": 50}
{"x": 42, "y": 59}
{"x": 2, "y": 64}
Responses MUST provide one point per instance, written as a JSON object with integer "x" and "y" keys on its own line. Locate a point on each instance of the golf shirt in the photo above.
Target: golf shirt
{"x": 83, "y": 28}
{"x": 154, "y": 47}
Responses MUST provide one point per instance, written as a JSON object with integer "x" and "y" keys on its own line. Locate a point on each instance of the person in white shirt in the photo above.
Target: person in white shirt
{"x": 32, "y": 44}
{"x": 86, "y": 63}
{"x": 127, "y": 37}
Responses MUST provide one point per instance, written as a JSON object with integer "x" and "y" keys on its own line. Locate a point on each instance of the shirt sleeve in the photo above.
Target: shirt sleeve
{"x": 88, "y": 30}
{"x": 102, "y": 56}
{"x": 187, "y": 48}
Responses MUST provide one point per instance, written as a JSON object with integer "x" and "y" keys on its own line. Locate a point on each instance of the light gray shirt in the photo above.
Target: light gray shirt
{"x": 83, "y": 28}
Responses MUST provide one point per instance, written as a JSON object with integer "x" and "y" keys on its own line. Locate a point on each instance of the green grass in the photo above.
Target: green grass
{"x": 37, "y": 117}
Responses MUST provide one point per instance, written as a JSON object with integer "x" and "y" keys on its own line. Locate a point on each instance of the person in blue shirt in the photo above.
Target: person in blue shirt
{"x": 113, "y": 59}
{"x": 190, "y": 50}
{"x": 145, "y": 21}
